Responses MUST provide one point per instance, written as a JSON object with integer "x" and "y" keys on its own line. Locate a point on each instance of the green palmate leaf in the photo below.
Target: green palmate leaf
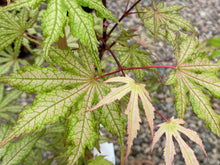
{"x": 47, "y": 107}
{"x": 131, "y": 56}
{"x": 193, "y": 73}
{"x": 18, "y": 150}
{"x": 9, "y": 59}
{"x": 137, "y": 90}
{"x": 215, "y": 41}
{"x": 58, "y": 96}
{"x": 163, "y": 21}
{"x": 13, "y": 26}
{"x": 5, "y": 108}
{"x": 85, "y": 136}
{"x": 172, "y": 129}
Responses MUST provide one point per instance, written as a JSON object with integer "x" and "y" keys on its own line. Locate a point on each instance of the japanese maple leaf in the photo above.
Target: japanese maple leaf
{"x": 137, "y": 91}
{"x": 164, "y": 22}
{"x": 172, "y": 129}
{"x": 55, "y": 18}
{"x": 58, "y": 91}
{"x": 193, "y": 73}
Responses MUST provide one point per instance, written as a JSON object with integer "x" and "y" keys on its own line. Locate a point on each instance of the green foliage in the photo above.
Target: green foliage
{"x": 131, "y": 56}
{"x": 163, "y": 22}
{"x": 9, "y": 58}
{"x": 191, "y": 75}
{"x": 215, "y": 42}
{"x": 70, "y": 85}
{"x": 5, "y": 108}
{"x": 12, "y": 27}
{"x": 100, "y": 160}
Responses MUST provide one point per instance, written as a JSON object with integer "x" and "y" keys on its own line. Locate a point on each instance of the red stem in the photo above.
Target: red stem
{"x": 133, "y": 68}
{"x": 161, "y": 115}
{"x": 34, "y": 36}
{"x": 124, "y": 15}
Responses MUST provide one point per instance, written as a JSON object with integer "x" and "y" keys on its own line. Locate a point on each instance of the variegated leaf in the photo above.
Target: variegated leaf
{"x": 172, "y": 129}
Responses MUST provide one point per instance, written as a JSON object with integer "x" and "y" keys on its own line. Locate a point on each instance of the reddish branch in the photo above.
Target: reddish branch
{"x": 120, "y": 68}
{"x": 133, "y": 68}
{"x": 33, "y": 36}
{"x": 123, "y": 16}
{"x": 161, "y": 115}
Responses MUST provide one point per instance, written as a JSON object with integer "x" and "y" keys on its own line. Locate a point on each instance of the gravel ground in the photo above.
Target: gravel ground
{"x": 205, "y": 16}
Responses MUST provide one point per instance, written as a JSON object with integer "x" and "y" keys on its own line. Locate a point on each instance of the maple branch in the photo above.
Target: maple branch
{"x": 124, "y": 15}
{"x": 120, "y": 68}
{"x": 128, "y": 1}
{"x": 161, "y": 115}
{"x": 32, "y": 36}
{"x": 133, "y": 68}
{"x": 32, "y": 40}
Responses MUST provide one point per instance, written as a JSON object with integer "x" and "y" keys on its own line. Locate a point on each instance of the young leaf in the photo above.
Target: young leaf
{"x": 131, "y": 56}
{"x": 193, "y": 73}
{"x": 172, "y": 129}
{"x": 5, "y": 108}
{"x": 163, "y": 21}
{"x": 18, "y": 150}
{"x": 137, "y": 91}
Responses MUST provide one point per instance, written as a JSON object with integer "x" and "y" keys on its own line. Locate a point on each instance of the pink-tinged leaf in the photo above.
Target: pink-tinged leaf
{"x": 148, "y": 108}
{"x": 173, "y": 128}
{"x": 193, "y": 136}
{"x": 137, "y": 91}
{"x": 157, "y": 136}
{"x": 169, "y": 150}
{"x": 187, "y": 152}
{"x": 116, "y": 93}
{"x": 133, "y": 120}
